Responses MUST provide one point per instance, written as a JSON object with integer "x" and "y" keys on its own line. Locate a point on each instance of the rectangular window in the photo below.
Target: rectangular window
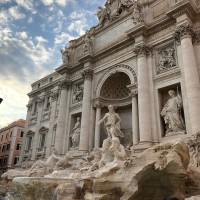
{"x": 1, "y": 137}
{"x": 8, "y": 147}
{"x": 18, "y": 147}
{"x": 5, "y": 161}
{"x": 16, "y": 160}
{"x": 42, "y": 140}
{"x": 1, "y": 162}
{"x": 22, "y": 134}
{"x": 29, "y": 142}
{"x": 11, "y": 134}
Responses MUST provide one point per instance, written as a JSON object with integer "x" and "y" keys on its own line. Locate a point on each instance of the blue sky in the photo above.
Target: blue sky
{"x": 32, "y": 32}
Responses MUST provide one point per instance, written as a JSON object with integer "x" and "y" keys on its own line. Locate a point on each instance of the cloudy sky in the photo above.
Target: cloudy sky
{"x": 32, "y": 32}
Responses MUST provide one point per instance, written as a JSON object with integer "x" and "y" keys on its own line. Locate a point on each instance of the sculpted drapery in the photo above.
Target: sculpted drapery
{"x": 171, "y": 113}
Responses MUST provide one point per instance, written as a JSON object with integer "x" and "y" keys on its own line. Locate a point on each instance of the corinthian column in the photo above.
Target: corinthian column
{"x": 65, "y": 85}
{"x": 97, "y": 127}
{"x": 143, "y": 94}
{"x": 184, "y": 34}
{"x": 85, "y": 119}
{"x": 135, "y": 118}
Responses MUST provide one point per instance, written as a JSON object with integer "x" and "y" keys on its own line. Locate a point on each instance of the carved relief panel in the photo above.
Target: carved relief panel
{"x": 166, "y": 59}
{"x": 77, "y": 93}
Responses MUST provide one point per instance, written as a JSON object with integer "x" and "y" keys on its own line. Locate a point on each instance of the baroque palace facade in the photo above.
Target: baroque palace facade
{"x": 142, "y": 58}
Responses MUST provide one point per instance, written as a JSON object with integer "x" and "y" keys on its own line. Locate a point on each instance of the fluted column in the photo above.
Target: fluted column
{"x": 85, "y": 119}
{"x": 97, "y": 127}
{"x": 135, "y": 121}
{"x": 40, "y": 103}
{"x": 28, "y": 116}
{"x": 143, "y": 94}
{"x": 65, "y": 85}
{"x": 184, "y": 34}
{"x": 50, "y": 135}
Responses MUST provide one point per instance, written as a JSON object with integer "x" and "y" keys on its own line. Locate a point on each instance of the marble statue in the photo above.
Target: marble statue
{"x": 75, "y": 134}
{"x": 103, "y": 14}
{"x": 78, "y": 94}
{"x": 112, "y": 123}
{"x": 118, "y": 150}
{"x": 107, "y": 155}
{"x": 50, "y": 162}
{"x": 87, "y": 44}
{"x": 137, "y": 16}
{"x": 65, "y": 55}
{"x": 62, "y": 163}
{"x": 171, "y": 113}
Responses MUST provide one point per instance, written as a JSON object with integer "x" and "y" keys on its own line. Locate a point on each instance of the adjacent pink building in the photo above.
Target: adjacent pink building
{"x": 10, "y": 144}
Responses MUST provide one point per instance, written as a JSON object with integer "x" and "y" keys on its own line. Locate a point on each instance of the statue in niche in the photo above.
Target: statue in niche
{"x": 103, "y": 13}
{"x": 87, "y": 44}
{"x": 137, "y": 16}
{"x": 78, "y": 94}
{"x": 171, "y": 113}
{"x": 167, "y": 59}
{"x": 112, "y": 123}
{"x": 65, "y": 55}
{"x": 75, "y": 135}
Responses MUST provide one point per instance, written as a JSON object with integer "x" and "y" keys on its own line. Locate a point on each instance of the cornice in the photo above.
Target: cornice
{"x": 63, "y": 69}
{"x": 138, "y": 30}
{"x": 44, "y": 88}
{"x": 184, "y": 7}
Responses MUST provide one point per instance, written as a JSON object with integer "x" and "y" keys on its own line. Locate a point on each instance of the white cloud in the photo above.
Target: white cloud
{"x": 4, "y": 1}
{"x": 63, "y": 38}
{"x": 76, "y": 15}
{"x": 47, "y": 2}
{"x": 25, "y": 60}
{"x": 61, "y": 3}
{"x": 26, "y": 4}
{"x": 15, "y": 13}
{"x": 22, "y": 35}
{"x": 78, "y": 26}
{"x": 30, "y": 20}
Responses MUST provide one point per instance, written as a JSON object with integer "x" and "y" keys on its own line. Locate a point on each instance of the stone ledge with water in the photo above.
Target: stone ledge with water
{"x": 170, "y": 169}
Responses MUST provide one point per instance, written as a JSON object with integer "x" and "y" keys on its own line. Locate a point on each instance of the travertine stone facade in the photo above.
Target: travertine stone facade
{"x": 11, "y": 138}
{"x": 136, "y": 54}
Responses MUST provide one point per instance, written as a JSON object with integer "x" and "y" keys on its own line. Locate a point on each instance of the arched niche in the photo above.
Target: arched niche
{"x": 126, "y": 69}
{"x": 112, "y": 89}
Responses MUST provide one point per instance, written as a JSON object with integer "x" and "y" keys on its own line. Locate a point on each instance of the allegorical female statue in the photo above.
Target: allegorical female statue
{"x": 75, "y": 135}
{"x": 171, "y": 113}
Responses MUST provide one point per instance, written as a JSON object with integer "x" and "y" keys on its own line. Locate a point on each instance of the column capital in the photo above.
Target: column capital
{"x": 87, "y": 74}
{"x": 98, "y": 105}
{"x": 134, "y": 94}
{"x": 65, "y": 84}
{"x": 142, "y": 50}
{"x": 182, "y": 31}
